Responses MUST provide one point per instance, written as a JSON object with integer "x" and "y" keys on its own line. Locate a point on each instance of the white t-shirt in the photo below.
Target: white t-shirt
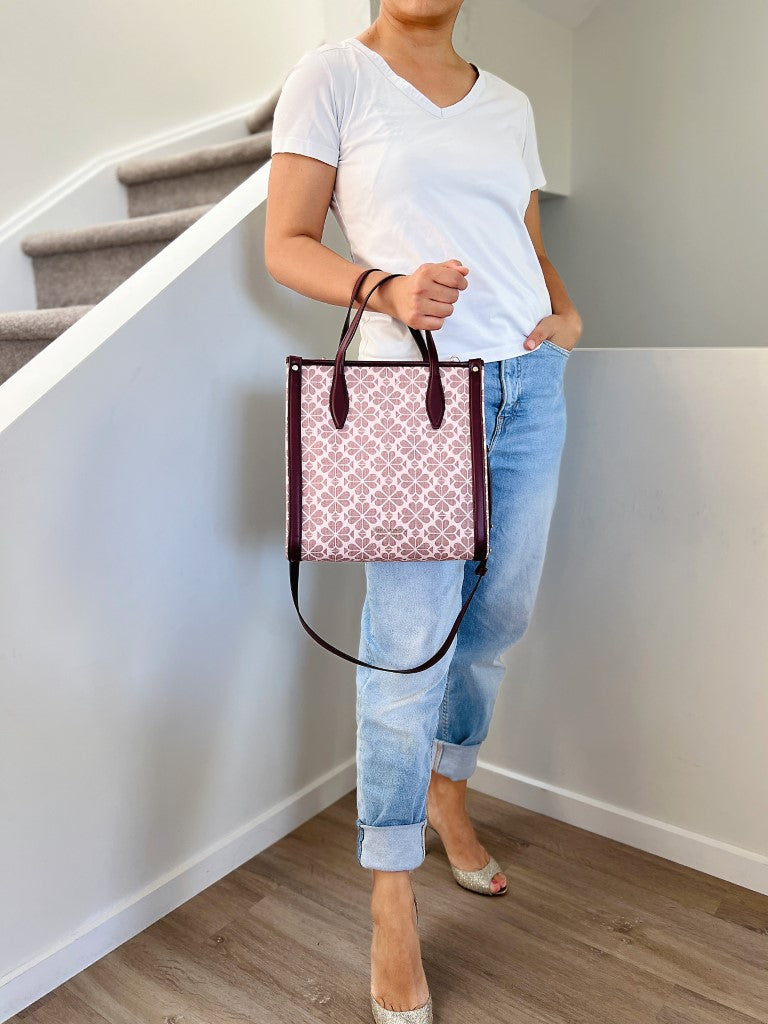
{"x": 418, "y": 183}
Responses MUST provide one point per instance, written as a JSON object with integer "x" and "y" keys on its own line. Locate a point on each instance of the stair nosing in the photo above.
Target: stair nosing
{"x": 39, "y": 324}
{"x": 207, "y": 158}
{"x": 149, "y": 227}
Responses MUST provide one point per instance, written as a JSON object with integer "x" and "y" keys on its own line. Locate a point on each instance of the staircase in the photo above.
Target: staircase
{"x": 76, "y": 268}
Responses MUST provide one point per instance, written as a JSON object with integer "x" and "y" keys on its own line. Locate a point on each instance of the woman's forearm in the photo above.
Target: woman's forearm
{"x": 311, "y": 268}
{"x": 561, "y": 301}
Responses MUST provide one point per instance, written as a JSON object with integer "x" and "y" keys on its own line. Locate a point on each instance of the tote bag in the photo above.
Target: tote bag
{"x": 385, "y": 461}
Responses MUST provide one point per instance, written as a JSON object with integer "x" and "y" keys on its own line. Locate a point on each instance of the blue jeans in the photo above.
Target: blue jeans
{"x": 408, "y": 725}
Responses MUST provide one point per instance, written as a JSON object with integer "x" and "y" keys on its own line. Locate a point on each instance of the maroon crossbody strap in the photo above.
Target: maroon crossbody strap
{"x": 294, "y": 570}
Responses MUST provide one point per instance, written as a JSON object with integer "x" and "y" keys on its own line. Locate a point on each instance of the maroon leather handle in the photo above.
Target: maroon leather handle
{"x": 339, "y": 396}
{"x": 416, "y": 333}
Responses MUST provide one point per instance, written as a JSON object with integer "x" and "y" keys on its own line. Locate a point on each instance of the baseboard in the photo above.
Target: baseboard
{"x": 33, "y": 980}
{"x": 731, "y": 863}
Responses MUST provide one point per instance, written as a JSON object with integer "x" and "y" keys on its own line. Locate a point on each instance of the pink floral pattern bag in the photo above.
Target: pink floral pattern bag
{"x": 385, "y": 461}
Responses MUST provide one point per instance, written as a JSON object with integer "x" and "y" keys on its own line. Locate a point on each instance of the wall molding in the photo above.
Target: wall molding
{"x": 26, "y": 217}
{"x": 691, "y": 849}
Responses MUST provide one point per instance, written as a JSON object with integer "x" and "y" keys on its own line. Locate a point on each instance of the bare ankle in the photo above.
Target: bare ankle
{"x": 391, "y": 890}
{"x": 445, "y": 798}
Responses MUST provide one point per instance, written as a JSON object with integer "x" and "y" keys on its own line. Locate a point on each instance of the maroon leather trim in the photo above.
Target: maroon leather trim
{"x": 294, "y": 457}
{"x": 381, "y": 362}
{"x": 478, "y": 447}
{"x": 338, "y": 398}
{"x": 435, "y": 395}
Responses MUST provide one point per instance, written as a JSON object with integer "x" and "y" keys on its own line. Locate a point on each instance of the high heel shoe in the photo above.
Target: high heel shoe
{"x": 419, "y": 1015}
{"x": 478, "y": 880}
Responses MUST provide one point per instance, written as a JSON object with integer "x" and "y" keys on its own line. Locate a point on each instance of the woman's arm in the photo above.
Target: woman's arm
{"x": 299, "y": 195}
{"x": 564, "y": 326}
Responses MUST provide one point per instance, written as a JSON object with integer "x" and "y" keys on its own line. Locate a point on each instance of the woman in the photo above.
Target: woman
{"x": 430, "y": 165}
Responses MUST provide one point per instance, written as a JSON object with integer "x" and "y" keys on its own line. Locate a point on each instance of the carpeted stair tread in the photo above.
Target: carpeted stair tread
{"x": 39, "y": 324}
{"x": 249, "y": 150}
{"x": 166, "y": 194}
{"x": 130, "y": 231}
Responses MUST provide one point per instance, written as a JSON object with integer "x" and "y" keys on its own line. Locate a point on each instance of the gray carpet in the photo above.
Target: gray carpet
{"x": 76, "y": 268}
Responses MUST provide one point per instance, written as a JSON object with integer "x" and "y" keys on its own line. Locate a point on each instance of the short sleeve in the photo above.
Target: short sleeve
{"x": 531, "y": 150}
{"x": 305, "y": 118}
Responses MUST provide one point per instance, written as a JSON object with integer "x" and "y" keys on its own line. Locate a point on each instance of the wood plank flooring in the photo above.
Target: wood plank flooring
{"x": 591, "y": 931}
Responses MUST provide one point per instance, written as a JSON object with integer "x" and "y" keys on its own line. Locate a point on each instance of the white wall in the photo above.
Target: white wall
{"x": 663, "y": 239}
{"x": 164, "y": 715}
{"x": 81, "y": 79}
{"x": 74, "y": 184}
{"x": 535, "y": 53}
{"x": 344, "y": 18}
{"x": 636, "y": 704}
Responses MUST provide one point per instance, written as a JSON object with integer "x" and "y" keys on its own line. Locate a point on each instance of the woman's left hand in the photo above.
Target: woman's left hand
{"x": 559, "y": 328}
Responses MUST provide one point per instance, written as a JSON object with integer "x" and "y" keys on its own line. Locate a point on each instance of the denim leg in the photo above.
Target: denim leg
{"x": 408, "y": 611}
{"x": 526, "y": 443}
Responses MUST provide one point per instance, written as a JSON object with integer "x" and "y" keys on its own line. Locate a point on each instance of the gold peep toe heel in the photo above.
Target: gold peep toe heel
{"x": 419, "y": 1015}
{"x": 478, "y": 880}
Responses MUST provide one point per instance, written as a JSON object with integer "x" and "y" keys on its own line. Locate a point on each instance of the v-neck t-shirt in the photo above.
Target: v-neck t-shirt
{"x": 419, "y": 183}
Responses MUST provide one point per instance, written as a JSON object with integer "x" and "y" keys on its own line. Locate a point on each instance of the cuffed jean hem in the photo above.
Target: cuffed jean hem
{"x": 391, "y": 847}
{"x": 455, "y": 760}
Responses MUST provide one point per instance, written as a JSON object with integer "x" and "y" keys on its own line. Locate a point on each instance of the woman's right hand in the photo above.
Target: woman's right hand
{"x": 426, "y": 297}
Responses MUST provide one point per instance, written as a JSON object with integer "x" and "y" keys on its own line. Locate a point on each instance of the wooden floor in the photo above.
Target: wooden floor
{"x": 591, "y": 931}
